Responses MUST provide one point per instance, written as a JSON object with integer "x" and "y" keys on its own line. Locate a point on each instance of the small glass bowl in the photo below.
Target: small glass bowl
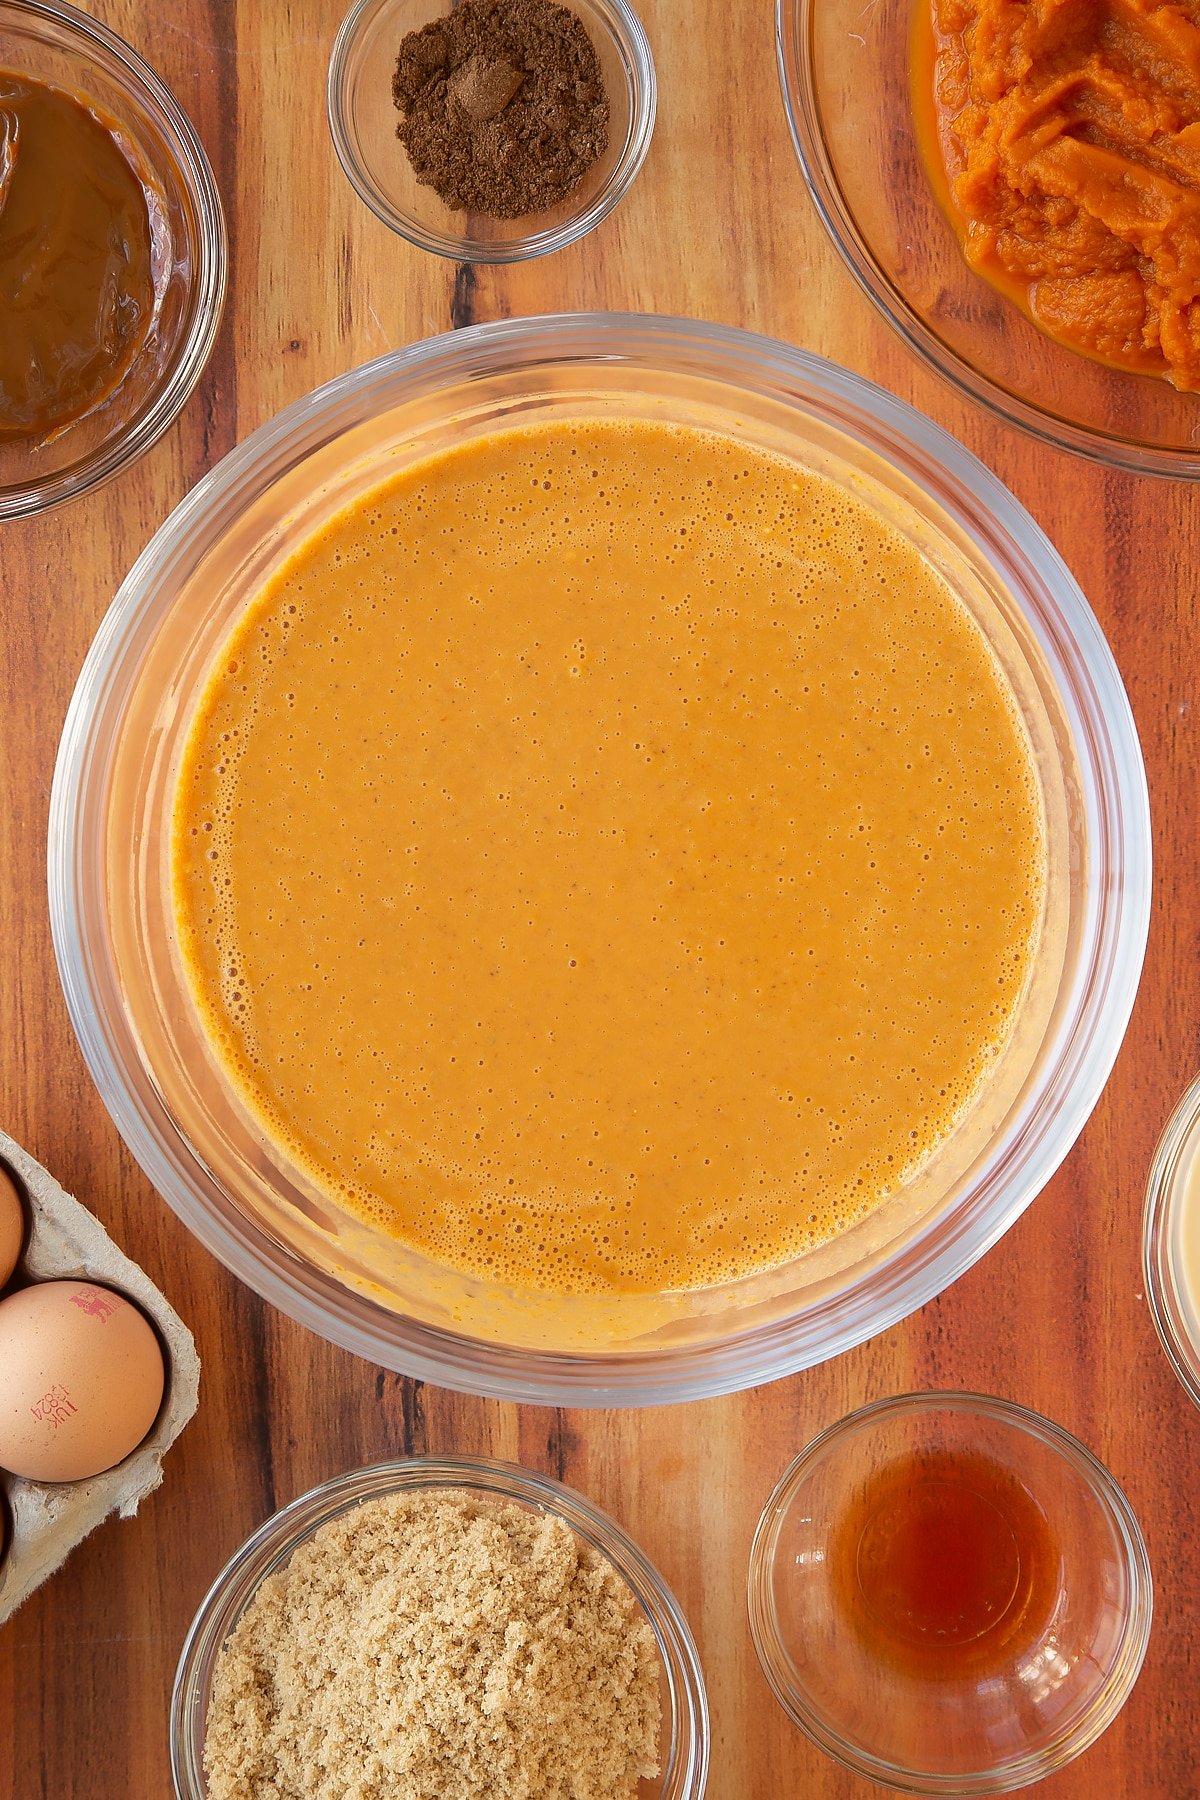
{"x": 985, "y": 1731}
{"x": 53, "y": 43}
{"x": 1172, "y": 1205}
{"x": 363, "y": 119}
{"x": 685, "y": 1731}
{"x": 845, "y": 73}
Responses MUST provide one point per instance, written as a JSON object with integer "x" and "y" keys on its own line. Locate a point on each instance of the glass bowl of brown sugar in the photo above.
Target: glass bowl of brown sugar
{"x": 491, "y": 133}
{"x": 402, "y": 1553}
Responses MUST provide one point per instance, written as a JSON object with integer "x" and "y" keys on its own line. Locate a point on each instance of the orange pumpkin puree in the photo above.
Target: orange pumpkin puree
{"x": 1069, "y": 132}
{"x": 608, "y": 857}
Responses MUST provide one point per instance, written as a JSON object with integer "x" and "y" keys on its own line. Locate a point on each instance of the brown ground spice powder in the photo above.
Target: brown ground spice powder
{"x": 503, "y": 103}
{"x": 437, "y": 1646}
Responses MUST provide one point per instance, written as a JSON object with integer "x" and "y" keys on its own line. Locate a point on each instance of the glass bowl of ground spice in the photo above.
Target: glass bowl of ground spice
{"x": 440, "y": 1625}
{"x": 495, "y": 132}
{"x": 112, "y": 256}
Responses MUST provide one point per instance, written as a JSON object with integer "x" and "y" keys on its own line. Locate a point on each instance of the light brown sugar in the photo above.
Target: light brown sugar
{"x": 437, "y": 1644}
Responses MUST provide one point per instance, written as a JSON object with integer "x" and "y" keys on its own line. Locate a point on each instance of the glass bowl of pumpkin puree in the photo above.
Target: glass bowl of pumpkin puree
{"x": 600, "y": 859}
{"x": 112, "y": 256}
{"x": 1074, "y": 203}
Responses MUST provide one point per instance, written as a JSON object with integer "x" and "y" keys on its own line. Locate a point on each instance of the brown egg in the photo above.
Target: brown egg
{"x": 12, "y": 1225}
{"x": 81, "y": 1380}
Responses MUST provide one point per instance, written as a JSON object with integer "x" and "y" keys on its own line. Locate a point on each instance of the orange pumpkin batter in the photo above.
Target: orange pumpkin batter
{"x": 607, "y": 856}
{"x": 1069, "y": 131}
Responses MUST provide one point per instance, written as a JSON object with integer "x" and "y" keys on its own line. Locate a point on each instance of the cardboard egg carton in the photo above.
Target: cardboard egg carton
{"x": 48, "y": 1519}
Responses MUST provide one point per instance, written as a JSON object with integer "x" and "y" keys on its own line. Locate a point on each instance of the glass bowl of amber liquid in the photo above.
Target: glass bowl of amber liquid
{"x": 950, "y": 1594}
{"x": 91, "y": 429}
{"x": 363, "y": 119}
{"x": 855, "y": 83}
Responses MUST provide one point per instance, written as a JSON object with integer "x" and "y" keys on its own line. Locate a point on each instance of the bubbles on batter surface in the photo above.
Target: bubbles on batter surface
{"x": 748, "y": 611}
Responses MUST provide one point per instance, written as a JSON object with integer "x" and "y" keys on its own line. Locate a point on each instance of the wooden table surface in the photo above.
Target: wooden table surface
{"x": 718, "y": 226}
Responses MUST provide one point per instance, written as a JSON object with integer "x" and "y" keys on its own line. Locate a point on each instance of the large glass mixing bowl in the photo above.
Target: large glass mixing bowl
{"x": 110, "y": 901}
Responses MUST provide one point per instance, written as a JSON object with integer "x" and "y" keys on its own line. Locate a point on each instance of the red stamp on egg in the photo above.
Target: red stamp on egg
{"x": 95, "y": 1302}
{"x": 54, "y": 1408}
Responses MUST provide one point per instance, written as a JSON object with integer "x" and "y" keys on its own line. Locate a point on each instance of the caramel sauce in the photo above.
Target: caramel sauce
{"x": 77, "y": 289}
{"x": 945, "y": 1566}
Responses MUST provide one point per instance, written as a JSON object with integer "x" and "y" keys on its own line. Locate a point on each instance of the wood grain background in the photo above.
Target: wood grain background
{"x": 718, "y": 226}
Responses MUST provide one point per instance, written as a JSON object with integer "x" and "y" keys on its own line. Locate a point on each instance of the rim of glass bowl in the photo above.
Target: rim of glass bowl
{"x": 686, "y": 1773}
{"x": 1113, "y": 799}
{"x": 123, "y": 63}
{"x": 792, "y": 45}
{"x": 1168, "y": 1308}
{"x": 1103, "y": 1486}
{"x": 638, "y": 62}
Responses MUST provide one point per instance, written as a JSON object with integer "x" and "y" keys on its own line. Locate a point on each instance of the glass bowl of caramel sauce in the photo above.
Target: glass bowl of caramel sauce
{"x": 950, "y": 1594}
{"x": 112, "y": 255}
